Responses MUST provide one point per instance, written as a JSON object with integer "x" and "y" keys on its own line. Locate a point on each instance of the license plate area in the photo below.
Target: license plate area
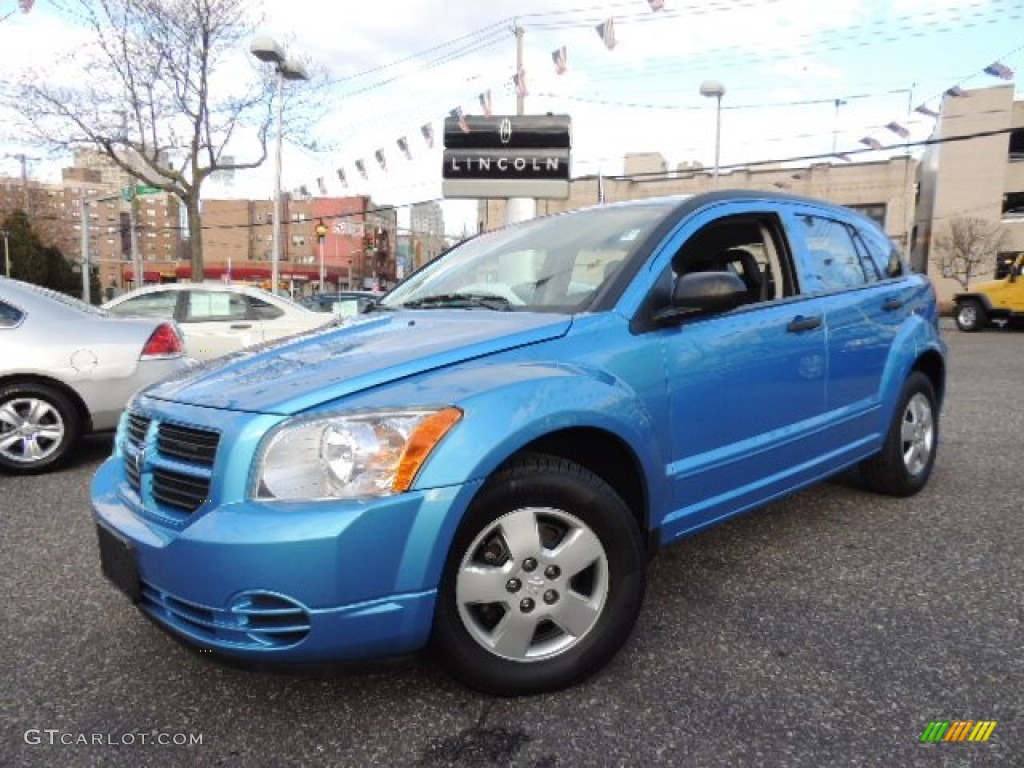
{"x": 117, "y": 559}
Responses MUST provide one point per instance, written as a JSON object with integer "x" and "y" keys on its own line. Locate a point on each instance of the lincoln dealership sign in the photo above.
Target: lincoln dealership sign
{"x": 507, "y": 156}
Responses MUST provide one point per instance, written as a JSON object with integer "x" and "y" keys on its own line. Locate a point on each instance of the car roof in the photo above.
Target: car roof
{"x": 30, "y": 295}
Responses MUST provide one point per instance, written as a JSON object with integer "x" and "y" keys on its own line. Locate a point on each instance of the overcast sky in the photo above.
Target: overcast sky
{"x": 784, "y": 63}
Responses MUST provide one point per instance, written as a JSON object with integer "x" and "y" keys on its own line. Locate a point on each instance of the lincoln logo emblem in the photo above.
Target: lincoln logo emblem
{"x": 505, "y": 131}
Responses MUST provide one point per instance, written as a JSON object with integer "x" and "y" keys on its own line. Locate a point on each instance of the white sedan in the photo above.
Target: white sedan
{"x": 218, "y": 318}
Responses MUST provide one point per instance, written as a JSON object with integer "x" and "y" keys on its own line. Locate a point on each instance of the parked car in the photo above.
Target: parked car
{"x": 68, "y": 369}
{"x": 218, "y": 318}
{"x": 993, "y": 301}
{"x": 344, "y": 304}
{"x": 544, "y": 406}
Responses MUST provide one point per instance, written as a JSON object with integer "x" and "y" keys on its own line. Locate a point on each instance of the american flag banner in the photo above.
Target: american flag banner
{"x": 898, "y": 129}
{"x": 403, "y": 147}
{"x": 341, "y": 178}
{"x": 361, "y": 167}
{"x": 1000, "y": 70}
{"x": 870, "y": 142}
{"x": 519, "y": 81}
{"x": 606, "y": 32}
{"x": 955, "y": 91}
{"x": 458, "y": 115}
{"x": 656, "y": 5}
{"x": 485, "y": 103}
{"x": 321, "y": 186}
{"x": 561, "y": 58}
{"x": 923, "y": 109}
{"x": 427, "y": 131}
{"x": 379, "y": 154}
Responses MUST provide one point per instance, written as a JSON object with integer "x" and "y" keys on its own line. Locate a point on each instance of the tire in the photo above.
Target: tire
{"x": 970, "y": 316}
{"x": 904, "y": 464}
{"x": 39, "y": 426}
{"x": 543, "y": 583}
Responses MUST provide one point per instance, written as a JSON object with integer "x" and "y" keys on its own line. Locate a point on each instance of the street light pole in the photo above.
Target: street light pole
{"x": 275, "y": 255}
{"x": 7, "y": 252}
{"x": 321, "y": 233}
{"x": 713, "y": 88}
{"x": 267, "y": 49}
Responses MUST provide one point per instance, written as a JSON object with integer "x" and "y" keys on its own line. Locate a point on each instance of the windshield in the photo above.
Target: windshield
{"x": 552, "y": 264}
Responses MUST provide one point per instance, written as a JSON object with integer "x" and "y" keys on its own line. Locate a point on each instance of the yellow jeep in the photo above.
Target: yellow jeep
{"x": 995, "y": 300}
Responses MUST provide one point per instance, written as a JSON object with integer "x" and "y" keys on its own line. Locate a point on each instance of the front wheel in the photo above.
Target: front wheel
{"x": 905, "y": 462}
{"x": 970, "y": 316}
{"x": 543, "y": 583}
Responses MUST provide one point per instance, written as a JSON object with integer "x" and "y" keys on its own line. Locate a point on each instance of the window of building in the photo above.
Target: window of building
{"x": 1013, "y": 204}
{"x": 1017, "y": 144}
{"x": 298, "y": 240}
{"x": 874, "y": 211}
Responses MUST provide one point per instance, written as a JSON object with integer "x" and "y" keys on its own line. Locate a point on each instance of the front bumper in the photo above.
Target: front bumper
{"x": 294, "y": 583}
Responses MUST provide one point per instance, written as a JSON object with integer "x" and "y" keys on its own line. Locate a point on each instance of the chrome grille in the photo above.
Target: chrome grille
{"x": 176, "y": 489}
{"x": 137, "y": 426}
{"x": 169, "y": 467}
{"x": 187, "y": 443}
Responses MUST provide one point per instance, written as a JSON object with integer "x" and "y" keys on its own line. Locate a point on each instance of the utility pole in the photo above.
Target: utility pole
{"x": 519, "y": 208}
{"x": 133, "y": 235}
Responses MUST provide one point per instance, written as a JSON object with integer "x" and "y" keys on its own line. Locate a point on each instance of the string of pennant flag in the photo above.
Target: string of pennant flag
{"x": 607, "y": 34}
{"x": 995, "y": 69}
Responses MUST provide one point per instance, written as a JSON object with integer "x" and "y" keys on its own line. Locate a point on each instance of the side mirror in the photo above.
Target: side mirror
{"x": 703, "y": 293}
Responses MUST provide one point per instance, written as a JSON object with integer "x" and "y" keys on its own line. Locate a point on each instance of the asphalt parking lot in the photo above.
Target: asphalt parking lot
{"x": 826, "y": 630}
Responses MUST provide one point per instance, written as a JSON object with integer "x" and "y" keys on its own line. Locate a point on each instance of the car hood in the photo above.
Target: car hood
{"x": 296, "y": 374}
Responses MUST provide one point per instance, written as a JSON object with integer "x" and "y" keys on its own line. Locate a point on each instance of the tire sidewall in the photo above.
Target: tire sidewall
{"x": 545, "y": 483}
{"x": 68, "y": 413}
{"x": 978, "y": 321}
{"x": 916, "y": 383}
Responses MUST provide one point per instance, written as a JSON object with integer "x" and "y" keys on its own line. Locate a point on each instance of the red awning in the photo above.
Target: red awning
{"x": 287, "y": 272}
{"x": 149, "y": 276}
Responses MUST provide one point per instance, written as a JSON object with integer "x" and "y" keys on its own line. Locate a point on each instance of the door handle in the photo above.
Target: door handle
{"x": 892, "y": 305}
{"x": 800, "y": 323}
{"x": 240, "y": 326}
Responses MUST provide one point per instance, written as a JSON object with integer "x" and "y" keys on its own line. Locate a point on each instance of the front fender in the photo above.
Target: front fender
{"x": 981, "y": 298}
{"x": 509, "y": 405}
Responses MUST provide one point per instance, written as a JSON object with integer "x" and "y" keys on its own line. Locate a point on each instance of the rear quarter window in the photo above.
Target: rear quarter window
{"x": 9, "y": 316}
{"x": 882, "y": 251}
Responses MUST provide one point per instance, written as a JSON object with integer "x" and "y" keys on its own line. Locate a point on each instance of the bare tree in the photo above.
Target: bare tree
{"x": 968, "y": 248}
{"x": 164, "y": 87}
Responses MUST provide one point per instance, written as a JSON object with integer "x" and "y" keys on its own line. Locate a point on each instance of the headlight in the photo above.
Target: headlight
{"x": 372, "y": 453}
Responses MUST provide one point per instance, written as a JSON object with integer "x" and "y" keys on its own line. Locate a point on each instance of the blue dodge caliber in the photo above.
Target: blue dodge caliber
{"x": 484, "y": 462}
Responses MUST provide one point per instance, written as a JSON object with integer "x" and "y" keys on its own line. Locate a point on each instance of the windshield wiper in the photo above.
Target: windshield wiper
{"x": 459, "y": 300}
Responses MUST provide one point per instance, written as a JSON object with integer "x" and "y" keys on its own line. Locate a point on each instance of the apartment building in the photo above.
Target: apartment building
{"x": 55, "y": 210}
{"x": 351, "y": 237}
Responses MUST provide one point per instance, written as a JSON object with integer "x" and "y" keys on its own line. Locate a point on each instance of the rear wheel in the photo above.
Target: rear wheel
{"x": 970, "y": 316}
{"x": 905, "y": 462}
{"x": 39, "y": 426}
{"x": 543, "y": 583}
